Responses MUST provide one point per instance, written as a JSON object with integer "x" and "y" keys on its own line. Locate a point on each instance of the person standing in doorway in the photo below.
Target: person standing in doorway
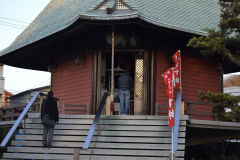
{"x": 125, "y": 83}
{"x": 49, "y": 107}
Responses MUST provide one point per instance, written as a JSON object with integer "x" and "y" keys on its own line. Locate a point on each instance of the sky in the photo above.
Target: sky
{"x": 15, "y": 16}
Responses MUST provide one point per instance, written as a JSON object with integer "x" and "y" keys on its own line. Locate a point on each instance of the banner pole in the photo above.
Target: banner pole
{"x": 180, "y": 71}
{"x": 173, "y": 107}
{"x": 172, "y": 143}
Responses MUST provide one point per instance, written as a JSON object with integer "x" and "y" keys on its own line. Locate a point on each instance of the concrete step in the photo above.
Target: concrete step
{"x": 82, "y": 157}
{"x": 100, "y": 139}
{"x": 112, "y": 152}
{"x": 116, "y": 137}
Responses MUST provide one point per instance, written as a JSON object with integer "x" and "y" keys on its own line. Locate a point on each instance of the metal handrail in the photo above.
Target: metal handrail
{"x": 18, "y": 121}
{"x": 95, "y": 121}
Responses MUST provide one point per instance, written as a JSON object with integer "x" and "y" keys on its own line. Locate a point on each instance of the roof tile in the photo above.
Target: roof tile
{"x": 190, "y": 16}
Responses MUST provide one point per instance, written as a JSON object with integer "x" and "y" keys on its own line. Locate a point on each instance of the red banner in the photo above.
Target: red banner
{"x": 171, "y": 113}
{"x": 176, "y": 81}
{"x": 167, "y": 78}
{"x": 172, "y": 79}
{"x": 176, "y": 70}
{"x": 176, "y": 57}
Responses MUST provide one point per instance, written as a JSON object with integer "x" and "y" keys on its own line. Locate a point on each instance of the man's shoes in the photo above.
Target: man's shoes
{"x": 45, "y": 145}
{"x": 49, "y": 146}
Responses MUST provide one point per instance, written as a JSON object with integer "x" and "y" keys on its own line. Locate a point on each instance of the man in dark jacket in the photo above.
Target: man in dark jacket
{"x": 125, "y": 83}
{"x": 49, "y": 107}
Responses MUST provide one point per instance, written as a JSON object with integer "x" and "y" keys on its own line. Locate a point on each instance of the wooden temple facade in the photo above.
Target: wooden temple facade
{"x": 73, "y": 41}
{"x": 79, "y": 55}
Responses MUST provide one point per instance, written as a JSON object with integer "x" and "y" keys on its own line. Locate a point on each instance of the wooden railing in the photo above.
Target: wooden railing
{"x": 12, "y": 112}
{"x": 199, "y": 110}
{"x": 161, "y": 110}
{"x": 19, "y": 119}
{"x": 75, "y": 109}
{"x": 195, "y": 110}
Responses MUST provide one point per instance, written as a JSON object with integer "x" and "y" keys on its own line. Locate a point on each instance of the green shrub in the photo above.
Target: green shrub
{"x": 225, "y": 106}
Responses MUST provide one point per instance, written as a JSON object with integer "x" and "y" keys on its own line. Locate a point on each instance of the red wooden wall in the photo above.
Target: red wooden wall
{"x": 71, "y": 82}
{"x": 198, "y": 74}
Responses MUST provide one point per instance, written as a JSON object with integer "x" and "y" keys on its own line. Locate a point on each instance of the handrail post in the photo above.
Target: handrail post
{"x": 18, "y": 121}
{"x": 95, "y": 122}
{"x": 13, "y": 111}
{"x": 76, "y": 152}
{"x": 188, "y": 108}
{"x": 156, "y": 109}
{"x": 40, "y": 104}
{"x": 24, "y": 125}
{"x": 182, "y": 108}
{"x": 63, "y": 107}
{"x": 87, "y": 108}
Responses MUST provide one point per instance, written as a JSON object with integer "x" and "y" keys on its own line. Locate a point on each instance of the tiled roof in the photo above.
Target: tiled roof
{"x": 190, "y": 16}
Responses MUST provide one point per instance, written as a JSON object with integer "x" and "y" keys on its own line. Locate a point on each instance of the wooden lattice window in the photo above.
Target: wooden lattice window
{"x": 139, "y": 78}
{"x": 120, "y": 5}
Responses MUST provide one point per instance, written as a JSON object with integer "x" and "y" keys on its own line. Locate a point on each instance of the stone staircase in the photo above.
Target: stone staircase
{"x": 116, "y": 138}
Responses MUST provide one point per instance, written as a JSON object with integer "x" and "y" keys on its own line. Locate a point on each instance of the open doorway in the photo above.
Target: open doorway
{"x": 133, "y": 61}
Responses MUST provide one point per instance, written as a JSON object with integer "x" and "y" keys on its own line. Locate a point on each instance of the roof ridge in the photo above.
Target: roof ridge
{"x": 104, "y": 4}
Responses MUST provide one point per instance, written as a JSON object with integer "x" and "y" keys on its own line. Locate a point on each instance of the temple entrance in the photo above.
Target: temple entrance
{"x": 133, "y": 62}
{"x": 140, "y": 64}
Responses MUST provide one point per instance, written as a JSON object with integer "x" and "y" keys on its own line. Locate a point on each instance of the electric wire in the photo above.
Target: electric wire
{"x": 12, "y": 24}
{"x": 8, "y": 22}
{"x": 14, "y": 20}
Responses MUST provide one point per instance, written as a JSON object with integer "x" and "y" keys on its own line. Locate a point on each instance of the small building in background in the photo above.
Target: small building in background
{"x": 5, "y": 99}
{"x": 24, "y": 97}
{"x": 233, "y": 90}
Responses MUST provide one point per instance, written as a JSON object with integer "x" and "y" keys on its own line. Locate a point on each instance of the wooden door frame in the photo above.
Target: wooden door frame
{"x": 149, "y": 79}
{"x": 96, "y": 89}
{"x": 145, "y": 82}
{"x": 152, "y": 82}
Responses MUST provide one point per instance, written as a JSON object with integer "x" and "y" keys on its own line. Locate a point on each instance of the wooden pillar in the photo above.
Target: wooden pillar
{"x": 108, "y": 102}
{"x": 112, "y": 69}
{"x": 94, "y": 84}
{"x": 145, "y": 81}
{"x": 152, "y": 83}
{"x": 182, "y": 108}
{"x": 98, "y": 83}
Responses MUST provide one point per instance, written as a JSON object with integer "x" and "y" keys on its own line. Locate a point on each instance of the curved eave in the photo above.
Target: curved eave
{"x": 142, "y": 17}
{"x": 95, "y": 17}
{"x": 13, "y": 50}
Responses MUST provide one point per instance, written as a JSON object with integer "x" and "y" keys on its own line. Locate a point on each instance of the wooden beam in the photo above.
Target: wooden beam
{"x": 212, "y": 138}
{"x": 94, "y": 83}
{"x": 214, "y": 124}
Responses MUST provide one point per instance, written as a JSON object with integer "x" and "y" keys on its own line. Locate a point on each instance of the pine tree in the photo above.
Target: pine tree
{"x": 225, "y": 106}
{"x": 224, "y": 41}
